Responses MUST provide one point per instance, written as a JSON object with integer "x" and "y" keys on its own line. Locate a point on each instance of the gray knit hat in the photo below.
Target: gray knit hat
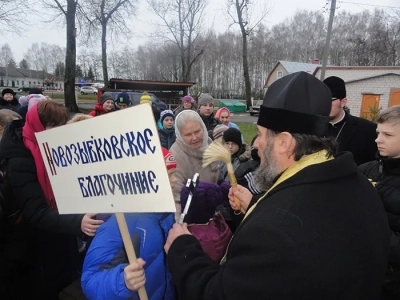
{"x": 106, "y": 96}
{"x": 205, "y": 98}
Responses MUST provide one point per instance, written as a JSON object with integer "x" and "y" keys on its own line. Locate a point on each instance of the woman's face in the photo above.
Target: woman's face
{"x": 225, "y": 118}
{"x": 187, "y": 105}
{"x": 192, "y": 134}
{"x": 8, "y": 97}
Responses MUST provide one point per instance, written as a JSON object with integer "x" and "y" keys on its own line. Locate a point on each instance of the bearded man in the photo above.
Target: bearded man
{"x": 319, "y": 232}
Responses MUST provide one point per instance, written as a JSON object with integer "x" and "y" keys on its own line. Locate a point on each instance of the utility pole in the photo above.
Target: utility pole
{"x": 328, "y": 39}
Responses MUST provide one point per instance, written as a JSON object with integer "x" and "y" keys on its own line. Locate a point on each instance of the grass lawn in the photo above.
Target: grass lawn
{"x": 249, "y": 130}
{"x": 60, "y": 96}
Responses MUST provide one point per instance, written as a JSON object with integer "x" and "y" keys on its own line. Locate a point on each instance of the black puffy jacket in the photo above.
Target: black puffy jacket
{"x": 167, "y": 137}
{"x": 26, "y": 188}
{"x": 385, "y": 174}
{"x": 54, "y": 248}
{"x": 13, "y": 104}
{"x": 211, "y": 122}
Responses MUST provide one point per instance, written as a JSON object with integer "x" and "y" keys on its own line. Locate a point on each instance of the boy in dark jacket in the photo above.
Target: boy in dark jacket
{"x": 206, "y": 112}
{"x": 385, "y": 175}
{"x": 167, "y": 132}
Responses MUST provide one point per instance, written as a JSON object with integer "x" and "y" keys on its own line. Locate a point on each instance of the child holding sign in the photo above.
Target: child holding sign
{"x": 106, "y": 272}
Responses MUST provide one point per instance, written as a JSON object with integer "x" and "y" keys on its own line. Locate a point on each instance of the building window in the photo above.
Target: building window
{"x": 22, "y": 82}
{"x": 17, "y": 82}
{"x": 279, "y": 74}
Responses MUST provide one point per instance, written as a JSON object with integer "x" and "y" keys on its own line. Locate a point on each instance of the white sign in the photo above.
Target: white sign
{"x": 107, "y": 164}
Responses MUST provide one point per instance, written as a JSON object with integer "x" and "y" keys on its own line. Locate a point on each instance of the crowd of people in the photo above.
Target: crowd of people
{"x": 318, "y": 215}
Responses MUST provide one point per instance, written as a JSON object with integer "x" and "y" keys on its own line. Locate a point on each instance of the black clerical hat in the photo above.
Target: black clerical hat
{"x": 297, "y": 103}
{"x": 337, "y": 87}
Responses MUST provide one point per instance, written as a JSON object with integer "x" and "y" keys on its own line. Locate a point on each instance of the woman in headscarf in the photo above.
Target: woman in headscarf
{"x": 54, "y": 250}
{"x": 191, "y": 141}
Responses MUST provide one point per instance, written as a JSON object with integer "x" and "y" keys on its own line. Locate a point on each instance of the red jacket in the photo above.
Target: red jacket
{"x": 98, "y": 110}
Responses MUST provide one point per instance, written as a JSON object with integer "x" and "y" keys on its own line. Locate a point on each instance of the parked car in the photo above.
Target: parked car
{"x": 135, "y": 98}
{"x": 98, "y": 85}
{"x": 87, "y": 90}
{"x": 28, "y": 88}
{"x": 255, "y": 109}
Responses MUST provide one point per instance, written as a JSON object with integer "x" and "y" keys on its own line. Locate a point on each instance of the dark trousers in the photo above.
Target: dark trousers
{"x": 15, "y": 262}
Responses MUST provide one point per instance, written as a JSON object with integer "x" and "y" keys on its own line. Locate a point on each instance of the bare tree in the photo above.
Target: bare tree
{"x": 181, "y": 21}
{"x": 67, "y": 10}
{"x": 9, "y": 9}
{"x": 106, "y": 17}
{"x": 358, "y": 39}
{"x": 243, "y": 18}
{"x": 5, "y": 57}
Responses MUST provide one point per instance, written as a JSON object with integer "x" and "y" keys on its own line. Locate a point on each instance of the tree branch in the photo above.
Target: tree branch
{"x": 60, "y": 7}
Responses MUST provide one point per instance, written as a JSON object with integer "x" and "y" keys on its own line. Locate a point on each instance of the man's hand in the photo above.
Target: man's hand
{"x": 134, "y": 275}
{"x": 176, "y": 231}
{"x": 243, "y": 195}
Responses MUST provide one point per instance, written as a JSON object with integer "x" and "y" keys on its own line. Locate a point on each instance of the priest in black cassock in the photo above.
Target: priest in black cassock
{"x": 353, "y": 134}
{"x": 319, "y": 232}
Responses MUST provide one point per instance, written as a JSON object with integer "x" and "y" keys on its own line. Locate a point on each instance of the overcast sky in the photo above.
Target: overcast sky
{"x": 143, "y": 24}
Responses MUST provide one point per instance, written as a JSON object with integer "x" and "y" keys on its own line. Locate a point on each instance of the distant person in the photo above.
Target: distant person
{"x": 206, "y": 112}
{"x": 232, "y": 141}
{"x": 29, "y": 101}
{"x": 167, "y": 132}
{"x": 123, "y": 101}
{"x": 224, "y": 116}
{"x": 218, "y": 132}
{"x": 353, "y": 134}
{"x": 105, "y": 106}
{"x": 187, "y": 103}
{"x": 8, "y": 100}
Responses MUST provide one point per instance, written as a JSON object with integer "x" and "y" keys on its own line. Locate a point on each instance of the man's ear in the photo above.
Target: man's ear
{"x": 343, "y": 102}
{"x": 284, "y": 143}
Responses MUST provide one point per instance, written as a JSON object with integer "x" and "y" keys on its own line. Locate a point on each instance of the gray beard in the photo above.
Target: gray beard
{"x": 265, "y": 175}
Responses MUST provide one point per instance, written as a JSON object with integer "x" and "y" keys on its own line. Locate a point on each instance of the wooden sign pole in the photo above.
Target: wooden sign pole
{"x": 130, "y": 251}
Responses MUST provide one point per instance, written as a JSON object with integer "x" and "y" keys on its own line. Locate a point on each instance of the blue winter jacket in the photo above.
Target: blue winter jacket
{"x": 103, "y": 269}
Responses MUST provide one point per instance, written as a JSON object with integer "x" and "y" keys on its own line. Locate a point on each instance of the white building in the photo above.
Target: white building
{"x": 367, "y": 87}
{"x": 17, "y": 77}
